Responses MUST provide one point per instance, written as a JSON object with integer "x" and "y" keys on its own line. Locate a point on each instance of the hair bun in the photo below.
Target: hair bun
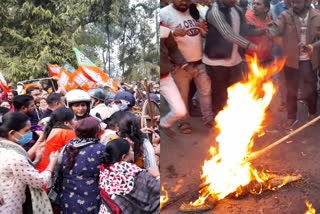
{"x": 105, "y": 158}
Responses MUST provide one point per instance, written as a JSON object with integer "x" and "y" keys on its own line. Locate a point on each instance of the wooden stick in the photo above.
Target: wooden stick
{"x": 146, "y": 85}
{"x": 181, "y": 196}
{"x": 256, "y": 154}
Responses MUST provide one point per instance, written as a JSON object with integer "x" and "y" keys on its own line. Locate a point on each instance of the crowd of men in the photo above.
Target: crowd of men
{"x": 203, "y": 48}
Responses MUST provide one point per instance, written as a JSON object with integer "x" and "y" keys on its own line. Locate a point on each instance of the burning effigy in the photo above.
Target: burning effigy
{"x": 229, "y": 171}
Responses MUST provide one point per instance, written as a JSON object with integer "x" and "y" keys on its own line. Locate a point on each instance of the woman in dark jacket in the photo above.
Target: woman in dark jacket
{"x": 126, "y": 188}
{"x": 80, "y": 173}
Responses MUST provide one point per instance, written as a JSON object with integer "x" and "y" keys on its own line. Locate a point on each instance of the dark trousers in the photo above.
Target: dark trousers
{"x": 221, "y": 78}
{"x": 306, "y": 79}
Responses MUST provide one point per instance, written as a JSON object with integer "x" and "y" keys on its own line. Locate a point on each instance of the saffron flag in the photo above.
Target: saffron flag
{"x": 82, "y": 80}
{"x": 3, "y": 84}
{"x": 93, "y": 72}
{"x": 64, "y": 76}
{"x": 54, "y": 70}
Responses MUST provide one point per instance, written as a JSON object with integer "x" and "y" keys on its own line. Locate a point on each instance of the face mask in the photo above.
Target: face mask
{"x": 26, "y": 138}
{"x": 115, "y": 107}
{"x": 123, "y": 107}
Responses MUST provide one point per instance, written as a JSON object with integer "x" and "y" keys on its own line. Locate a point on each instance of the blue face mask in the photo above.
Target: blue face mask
{"x": 26, "y": 138}
{"x": 123, "y": 107}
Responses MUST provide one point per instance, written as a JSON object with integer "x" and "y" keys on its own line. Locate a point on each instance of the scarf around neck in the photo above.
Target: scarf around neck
{"x": 118, "y": 178}
{"x": 7, "y": 144}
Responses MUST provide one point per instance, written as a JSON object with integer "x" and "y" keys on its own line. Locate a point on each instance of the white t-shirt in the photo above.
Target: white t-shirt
{"x": 191, "y": 44}
{"x": 235, "y": 58}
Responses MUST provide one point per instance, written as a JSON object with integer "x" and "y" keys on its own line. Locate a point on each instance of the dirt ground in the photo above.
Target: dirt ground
{"x": 183, "y": 158}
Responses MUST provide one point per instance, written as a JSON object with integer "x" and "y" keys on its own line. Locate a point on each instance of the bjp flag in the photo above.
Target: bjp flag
{"x": 54, "y": 70}
{"x": 63, "y": 75}
{"x": 95, "y": 74}
{"x": 81, "y": 80}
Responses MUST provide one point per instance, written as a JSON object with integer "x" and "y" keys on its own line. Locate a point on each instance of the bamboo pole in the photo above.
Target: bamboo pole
{"x": 146, "y": 85}
{"x": 256, "y": 154}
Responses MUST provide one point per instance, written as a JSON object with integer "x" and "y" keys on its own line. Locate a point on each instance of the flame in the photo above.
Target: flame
{"x": 310, "y": 210}
{"x": 237, "y": 124}
{"x": 163, "y": 198}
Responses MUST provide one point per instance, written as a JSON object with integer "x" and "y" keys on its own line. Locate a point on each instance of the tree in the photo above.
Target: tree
{"x": 112, "y": 33}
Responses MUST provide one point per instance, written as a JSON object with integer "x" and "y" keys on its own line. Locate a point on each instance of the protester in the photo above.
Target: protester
{"x": 128, "y": 127}
{"x": 55, "y": 101}
{"x": 8, "y": 96}
{"x": 17, "y": 173}
{"x": 25, "y": 104}
{"x": 125, "y": 100}
{"x": 222, "y": 55}
{"x": 79, "y": 102}
{"x": 43, "y": 105}
{"x": 36, "y": 94}
{"x": 298, "y": 27}
{"x": 170, "y": 56}
{"x": 57, "y": 133}
{"x": 259, "y": 17}
{"x": 99, "y": 108}
{"x": 188, "y": 33}
{"x": 124, "y": 187}
{"x": 79, "y": 170}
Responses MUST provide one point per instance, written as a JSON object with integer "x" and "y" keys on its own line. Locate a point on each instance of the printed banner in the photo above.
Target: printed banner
{"x": 81, "y": 80}
{"x": 63, "y": 75}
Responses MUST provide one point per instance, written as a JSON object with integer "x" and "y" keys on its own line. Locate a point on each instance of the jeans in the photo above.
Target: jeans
{"x": 221, "y": 78}
{"x": 203, "y": 84}
{"x": 170, "y": 92}
{"x": 308, "y": 80}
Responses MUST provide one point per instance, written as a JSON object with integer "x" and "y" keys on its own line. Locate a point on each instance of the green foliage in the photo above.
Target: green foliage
{"x": 34, "y": 33}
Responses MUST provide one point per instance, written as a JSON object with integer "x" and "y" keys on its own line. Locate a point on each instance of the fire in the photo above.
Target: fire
{"x": 310, "y": 210}
{"x": 237, "y": 124}
{"x": 163, "y": 198}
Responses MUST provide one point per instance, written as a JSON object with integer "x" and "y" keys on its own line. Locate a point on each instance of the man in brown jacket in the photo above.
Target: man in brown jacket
{"x": 299, "y": 28}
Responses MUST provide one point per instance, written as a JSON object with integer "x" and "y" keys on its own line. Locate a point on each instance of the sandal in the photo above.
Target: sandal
{"x": 185, "y": 128}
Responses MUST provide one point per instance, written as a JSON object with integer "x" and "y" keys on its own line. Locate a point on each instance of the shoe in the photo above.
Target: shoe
{"x": 289, "y": 124}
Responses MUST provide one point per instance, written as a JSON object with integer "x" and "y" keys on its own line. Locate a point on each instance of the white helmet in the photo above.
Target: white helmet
{"x": 77, "y": 95}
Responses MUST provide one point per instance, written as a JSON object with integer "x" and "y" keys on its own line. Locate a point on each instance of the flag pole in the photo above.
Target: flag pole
{"x": 146, "y": 85}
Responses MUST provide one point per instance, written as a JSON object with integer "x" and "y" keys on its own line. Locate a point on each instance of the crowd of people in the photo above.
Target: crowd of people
{"x": 86, "y": 151}
{"x": 203, "y": 47}
{"x": 78, "y": 152}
